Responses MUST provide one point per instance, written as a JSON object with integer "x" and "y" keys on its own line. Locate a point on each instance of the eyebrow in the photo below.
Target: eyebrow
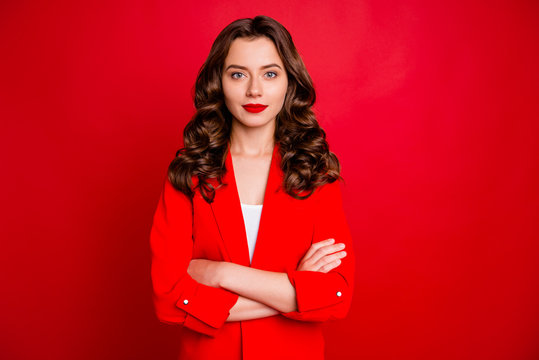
{"x": 244, "y": 68}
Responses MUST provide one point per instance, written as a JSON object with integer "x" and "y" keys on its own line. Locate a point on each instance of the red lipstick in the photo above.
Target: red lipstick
{"x": 254, "y": 108}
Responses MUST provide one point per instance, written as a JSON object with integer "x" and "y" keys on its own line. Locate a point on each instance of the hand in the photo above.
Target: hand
{"x": 205, "y": 271}
{"x": 322, "y": 256}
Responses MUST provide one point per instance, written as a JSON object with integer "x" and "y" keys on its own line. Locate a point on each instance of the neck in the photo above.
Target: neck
{"x": 254, "y": 142}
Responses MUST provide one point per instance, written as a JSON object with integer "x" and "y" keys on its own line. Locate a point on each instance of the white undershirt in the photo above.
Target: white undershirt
{"x": 251, "y": 218}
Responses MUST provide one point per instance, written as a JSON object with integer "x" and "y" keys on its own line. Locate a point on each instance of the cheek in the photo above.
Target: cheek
{"x": 280, "y": 91}
{"x": 231, "y": 93}
{"x": 278, "y": 96}
{"x": 226, "y": 90}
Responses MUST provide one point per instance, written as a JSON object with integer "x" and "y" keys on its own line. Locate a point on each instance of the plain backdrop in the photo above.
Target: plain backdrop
{"x": 432, "y": 108}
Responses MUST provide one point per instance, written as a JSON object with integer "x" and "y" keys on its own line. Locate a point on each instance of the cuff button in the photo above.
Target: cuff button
{"x": 339, "y": 294}
{"x": 186, "y": 301}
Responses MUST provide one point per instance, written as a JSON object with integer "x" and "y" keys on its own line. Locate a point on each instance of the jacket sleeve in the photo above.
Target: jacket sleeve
{"x": 178, "y": 299}
{"x": 326, "y": 296}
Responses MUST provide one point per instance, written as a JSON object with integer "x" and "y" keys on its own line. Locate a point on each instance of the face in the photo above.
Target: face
{"x": 253, "y": 73}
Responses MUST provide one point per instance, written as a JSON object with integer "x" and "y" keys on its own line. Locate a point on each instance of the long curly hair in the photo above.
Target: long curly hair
{"x": 306, "y": 161}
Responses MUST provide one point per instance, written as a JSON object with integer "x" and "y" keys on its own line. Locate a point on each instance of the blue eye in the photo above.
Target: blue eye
{"x": 235, "y": 74}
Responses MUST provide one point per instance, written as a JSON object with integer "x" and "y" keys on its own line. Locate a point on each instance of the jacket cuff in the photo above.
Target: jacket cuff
{"x": 315, "y": 290}
{"x": 207, "y": 307}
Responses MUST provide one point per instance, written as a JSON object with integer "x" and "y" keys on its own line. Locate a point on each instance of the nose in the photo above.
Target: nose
{"x": 254, "y": 88}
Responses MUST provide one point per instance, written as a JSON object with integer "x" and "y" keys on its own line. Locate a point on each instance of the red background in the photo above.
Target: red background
{"x": 432, "y": 110}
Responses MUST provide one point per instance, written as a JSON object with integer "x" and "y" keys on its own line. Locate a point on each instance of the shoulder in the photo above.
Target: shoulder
{"x": 329, "y": 192}
{"x": 173, "y": 192}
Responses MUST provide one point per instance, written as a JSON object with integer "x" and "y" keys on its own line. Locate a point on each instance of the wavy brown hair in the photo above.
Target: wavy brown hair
{"x": 306, "y": 160}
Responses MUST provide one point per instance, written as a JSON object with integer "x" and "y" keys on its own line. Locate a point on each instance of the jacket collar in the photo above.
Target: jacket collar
{"x": 227, "y": 212}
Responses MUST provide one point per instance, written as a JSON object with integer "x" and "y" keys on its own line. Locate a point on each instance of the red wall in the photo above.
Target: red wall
{"x": 433, "y": 111}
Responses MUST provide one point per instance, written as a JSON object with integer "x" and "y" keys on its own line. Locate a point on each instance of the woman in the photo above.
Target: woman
{"x": 255, "y": 170}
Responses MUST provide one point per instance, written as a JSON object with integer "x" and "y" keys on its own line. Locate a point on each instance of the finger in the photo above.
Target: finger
{"x": 317, "y": 245}
{"x": 330, "y": 258}
{"x": 330, "y": 266}
{"x": 323, "y": 251}
{"x": 312, "y": 266}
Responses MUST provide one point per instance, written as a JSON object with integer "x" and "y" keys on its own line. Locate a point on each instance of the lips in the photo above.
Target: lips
{"x": 254, "y": 108}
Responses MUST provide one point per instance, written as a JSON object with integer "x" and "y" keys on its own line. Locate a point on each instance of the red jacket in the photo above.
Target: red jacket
{"x": 183, "y": 230}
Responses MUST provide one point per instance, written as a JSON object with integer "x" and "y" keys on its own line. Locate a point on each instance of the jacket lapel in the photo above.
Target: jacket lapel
{"x": 227, "y": 211}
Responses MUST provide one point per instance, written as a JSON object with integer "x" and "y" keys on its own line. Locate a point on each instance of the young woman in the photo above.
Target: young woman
{"x": 255, "y": 169}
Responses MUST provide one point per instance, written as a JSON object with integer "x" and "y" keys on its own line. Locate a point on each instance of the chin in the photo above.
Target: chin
{"x": 254, "y": 122}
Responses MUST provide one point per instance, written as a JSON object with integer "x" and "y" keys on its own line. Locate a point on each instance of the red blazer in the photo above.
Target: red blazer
{"x": 183, "y": 230}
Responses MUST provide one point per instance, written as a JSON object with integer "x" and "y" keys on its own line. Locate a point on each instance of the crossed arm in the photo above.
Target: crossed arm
{"x": 319, "y": 291}
{"x": 263, "y": 293}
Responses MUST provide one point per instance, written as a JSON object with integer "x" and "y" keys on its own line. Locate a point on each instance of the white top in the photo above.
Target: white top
{"x": 251, "y": 218}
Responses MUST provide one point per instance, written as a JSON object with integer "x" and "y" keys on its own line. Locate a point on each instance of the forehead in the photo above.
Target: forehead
{"x": 252, "y": 53}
